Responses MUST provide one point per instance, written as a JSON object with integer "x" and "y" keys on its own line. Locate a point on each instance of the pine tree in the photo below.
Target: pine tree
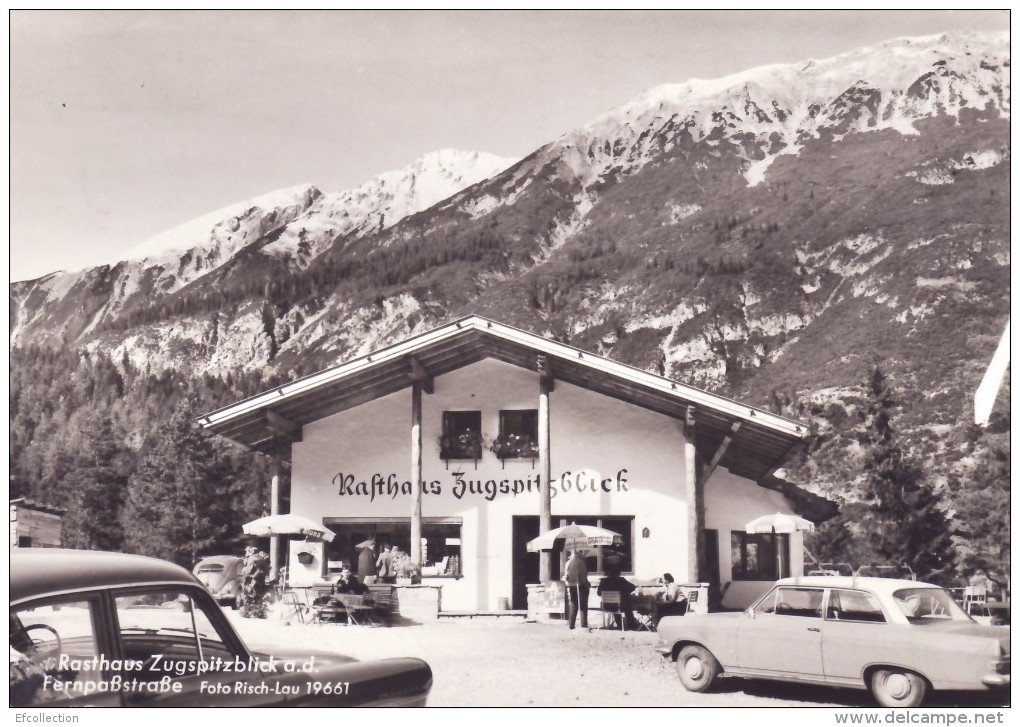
{"x": 177, "y": 508}
{"x": 907, "y": 524}
{"x": 96, "y": 485}
{"x": 982, "y": 517}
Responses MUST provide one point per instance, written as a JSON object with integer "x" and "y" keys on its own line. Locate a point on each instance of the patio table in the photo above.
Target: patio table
{"x": 357, "y": 610}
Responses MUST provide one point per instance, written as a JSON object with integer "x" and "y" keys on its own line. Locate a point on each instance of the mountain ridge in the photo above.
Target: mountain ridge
{"x": 774, "y": 249}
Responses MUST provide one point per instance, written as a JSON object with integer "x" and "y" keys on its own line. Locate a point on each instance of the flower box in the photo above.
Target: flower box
{"x": 514, "y": 446}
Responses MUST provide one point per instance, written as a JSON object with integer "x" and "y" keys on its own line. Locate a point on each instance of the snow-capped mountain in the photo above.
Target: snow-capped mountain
{"x": 383, "y": 201}
{"x": 813, "y": 180}
{"x": 774, "y": 236}
{"x": 296, "y": 223}
{"x": 772, "y": 110}
{"x": 225, "y": 231}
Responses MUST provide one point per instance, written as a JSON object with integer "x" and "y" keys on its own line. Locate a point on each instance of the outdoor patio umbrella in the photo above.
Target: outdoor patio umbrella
{"x": 780, "y": 523}
{"x": 288, "y": 524}
{"x": 574, "y": 537}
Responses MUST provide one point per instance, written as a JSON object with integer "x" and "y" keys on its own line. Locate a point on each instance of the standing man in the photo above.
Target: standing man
{"x": 385, "y": 565}
{"x": 366, "y": 561}
{"x": 576, "y": 577}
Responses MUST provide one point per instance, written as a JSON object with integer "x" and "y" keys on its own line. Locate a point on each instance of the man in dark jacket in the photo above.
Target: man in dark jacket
{"x": 385, "y": 566}
{"x": 366, "y": 561}
{"x": 615, "y": 582}
{"x": 576, "y": 578}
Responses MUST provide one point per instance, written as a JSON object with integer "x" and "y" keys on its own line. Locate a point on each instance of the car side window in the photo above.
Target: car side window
{"x": 793, "y": 601}
{"x": 846, "y": 605}
{"x": 168, "y": 633}
{"x": 54, "y": 653}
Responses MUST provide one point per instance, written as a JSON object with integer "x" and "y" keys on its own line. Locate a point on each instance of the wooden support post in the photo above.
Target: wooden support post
{"x": 420, "y": 374}
{"x": 416, "y": 472}
{"x": 274, "y": 509}
{"x": 545, "y": 465}
{"x": 690, "y": 484}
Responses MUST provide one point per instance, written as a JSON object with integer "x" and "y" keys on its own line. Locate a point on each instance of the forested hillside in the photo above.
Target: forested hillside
{"x": 780, "y": 236}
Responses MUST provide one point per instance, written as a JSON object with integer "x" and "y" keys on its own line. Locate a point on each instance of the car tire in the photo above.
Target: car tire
{"x": 697, "y": 668}
{"x": 898, "y": 688}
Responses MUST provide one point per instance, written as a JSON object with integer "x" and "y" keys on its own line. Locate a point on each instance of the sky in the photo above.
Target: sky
{"x": 124, "y": 124}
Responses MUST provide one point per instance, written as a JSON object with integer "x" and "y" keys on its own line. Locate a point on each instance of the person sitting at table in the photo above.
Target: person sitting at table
{"x": 347, "y": 583}
{"x": 613, "y": 581}
{"x": 672, "y": 601}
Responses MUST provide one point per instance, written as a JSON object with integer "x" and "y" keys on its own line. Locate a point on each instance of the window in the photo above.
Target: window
{"x": 616, "y": 557}
{"x": 787, "y": 601}
{"x": 518, "y": 434}
{"x": 441, "y": 543}
{"x": 928, "y": 605}
{"x": 753, "y": 556}
{"x": 52, "y": 643}
{"x": 462, "y": 435}
{"x": 168, "y": 625}
{"x": 853, "y": 606}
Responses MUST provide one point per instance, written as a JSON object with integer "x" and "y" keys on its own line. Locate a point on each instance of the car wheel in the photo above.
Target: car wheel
{"x": 697, "y": 668}
{"x": 897, "y": 688}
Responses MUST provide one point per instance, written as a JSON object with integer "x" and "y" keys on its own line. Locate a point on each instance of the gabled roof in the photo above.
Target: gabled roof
{"x": 268, "y": 422}
{"x": 38, "y": 506}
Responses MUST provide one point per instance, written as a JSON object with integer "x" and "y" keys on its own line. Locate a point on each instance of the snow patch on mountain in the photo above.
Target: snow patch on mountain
{"x": 679, "y": 212}
{"x": 935, "y": 173}
{"x": 384, "y": 201}
{"x": 225, "y": 230}
{"x": 481, "y": 206}
{"x": 779, "y": 107}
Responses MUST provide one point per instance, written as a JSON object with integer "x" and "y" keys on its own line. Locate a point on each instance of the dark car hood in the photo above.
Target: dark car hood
{"x": 383, "y": 682}
{"x": 322, "y": 657}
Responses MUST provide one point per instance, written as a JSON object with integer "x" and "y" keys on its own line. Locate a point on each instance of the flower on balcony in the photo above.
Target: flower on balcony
{"x": 514, "y": 446}
{"x": 465, "y": 445}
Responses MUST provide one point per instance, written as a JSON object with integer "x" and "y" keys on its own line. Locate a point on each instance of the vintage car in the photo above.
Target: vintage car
{"x": 898, "y": 638}
{"x": 108, "y": 629}
{"x": 221, "y": 574}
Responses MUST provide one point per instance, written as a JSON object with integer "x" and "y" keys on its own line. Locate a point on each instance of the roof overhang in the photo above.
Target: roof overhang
{"x": 269, "y": 422}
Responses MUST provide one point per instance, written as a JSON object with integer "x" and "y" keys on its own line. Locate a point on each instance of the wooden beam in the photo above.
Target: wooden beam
{"x": 694, "y": 468}
{"x": 545, "y": 371}
{"x": 416, "y": 472}
{"x": 274, "y": 509}
{"x": 545, "y": 472}
{"x": 691, "y": 495}
{"x": 283, "y": 426}
{"x": 420, "y": 375}
{"x": 719, "y": 452}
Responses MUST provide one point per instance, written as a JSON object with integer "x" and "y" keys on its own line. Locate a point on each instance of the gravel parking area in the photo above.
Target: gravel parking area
{"x": 505, "y": 662}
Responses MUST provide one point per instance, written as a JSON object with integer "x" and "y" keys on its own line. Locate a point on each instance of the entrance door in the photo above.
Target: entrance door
{"x": 711, "y": 574}
{"x": 525, "y": 564}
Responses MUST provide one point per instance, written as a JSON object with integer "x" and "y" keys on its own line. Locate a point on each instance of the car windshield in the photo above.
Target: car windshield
{"x": 210, "y": 568}
{"x": 928, "y": 605}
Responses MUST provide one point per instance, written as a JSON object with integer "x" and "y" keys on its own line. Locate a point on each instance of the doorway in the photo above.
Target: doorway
{"x": 525, "y": 565}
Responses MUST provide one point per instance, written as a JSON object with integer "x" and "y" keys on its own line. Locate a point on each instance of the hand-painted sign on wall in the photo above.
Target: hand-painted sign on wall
{"x": 391, "y": 485}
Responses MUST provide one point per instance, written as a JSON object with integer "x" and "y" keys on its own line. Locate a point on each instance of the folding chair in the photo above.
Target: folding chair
{"x": 612, "y": 607}
{"x": 295, "y": 606}
{"x": 644, "y": 619}
{"x": 324, "y": 608}
{"x": 381, "y": 606}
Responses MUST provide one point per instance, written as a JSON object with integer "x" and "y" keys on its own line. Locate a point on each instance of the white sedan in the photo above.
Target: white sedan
{"x": 898, "y": 638}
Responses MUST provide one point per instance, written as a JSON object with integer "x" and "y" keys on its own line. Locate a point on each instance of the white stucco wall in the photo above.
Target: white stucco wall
{"x": 635, "y": 454}
{"x": 730, "y": 503}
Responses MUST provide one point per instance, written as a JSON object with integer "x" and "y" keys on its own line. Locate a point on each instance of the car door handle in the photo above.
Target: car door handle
{"x": 814, "y": 628}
